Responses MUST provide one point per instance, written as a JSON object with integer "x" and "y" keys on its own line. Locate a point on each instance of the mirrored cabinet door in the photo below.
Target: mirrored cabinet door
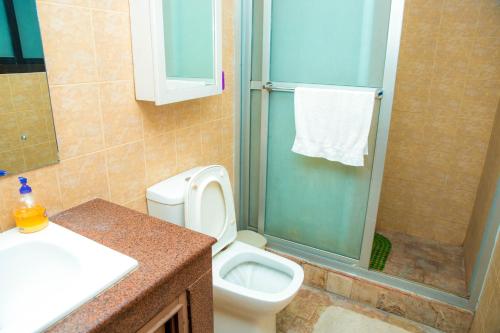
{"x": 177, "y": 49}
{"x": 27, "y": 134}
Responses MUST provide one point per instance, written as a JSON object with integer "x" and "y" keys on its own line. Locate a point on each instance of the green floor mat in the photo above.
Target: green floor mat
{"x": 380, "y": 252}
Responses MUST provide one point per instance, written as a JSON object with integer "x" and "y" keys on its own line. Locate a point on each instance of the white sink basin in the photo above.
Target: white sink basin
{"x": 46, "y": 275}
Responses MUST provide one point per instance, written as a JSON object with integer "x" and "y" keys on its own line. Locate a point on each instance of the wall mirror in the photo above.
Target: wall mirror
{"x": 27, "y": 134}
{"x": 177, "y": 49}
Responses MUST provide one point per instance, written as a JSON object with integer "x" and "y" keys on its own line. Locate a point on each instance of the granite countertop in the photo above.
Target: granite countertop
{"x": 170, "y": 259}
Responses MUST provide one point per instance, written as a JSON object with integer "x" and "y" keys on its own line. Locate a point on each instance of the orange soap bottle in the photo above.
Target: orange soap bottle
{"x": 29, "y": 215}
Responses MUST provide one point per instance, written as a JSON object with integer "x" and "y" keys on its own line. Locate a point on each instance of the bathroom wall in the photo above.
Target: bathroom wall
{"x": 447, "y": 91}
{"x": 112, "y": 146}
{"x": 487, "y": 319}
{"x": 484, "y": 199}
{"x": 25, "y": 109}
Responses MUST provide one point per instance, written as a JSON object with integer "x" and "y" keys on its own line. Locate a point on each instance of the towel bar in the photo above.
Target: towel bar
{"x": 269, "y": 86}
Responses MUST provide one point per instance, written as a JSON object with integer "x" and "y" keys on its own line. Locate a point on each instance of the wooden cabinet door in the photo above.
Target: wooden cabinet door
{"x": 172, "y": 319}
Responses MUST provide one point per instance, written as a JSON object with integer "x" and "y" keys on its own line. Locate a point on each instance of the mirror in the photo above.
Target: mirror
{"x": 27, "y": 134}
{"x": 189, "y": 49}
{"x": 177, "y": 49}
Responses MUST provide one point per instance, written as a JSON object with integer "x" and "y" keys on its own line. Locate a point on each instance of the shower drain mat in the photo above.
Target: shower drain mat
{"x": 380, "y": 252}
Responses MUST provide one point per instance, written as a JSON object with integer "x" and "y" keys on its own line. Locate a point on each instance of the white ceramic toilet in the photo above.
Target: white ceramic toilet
{"x": 250, "y": 285}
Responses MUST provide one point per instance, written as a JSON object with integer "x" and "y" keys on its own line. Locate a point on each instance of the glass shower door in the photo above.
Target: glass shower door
{"x": 312, "y": 201}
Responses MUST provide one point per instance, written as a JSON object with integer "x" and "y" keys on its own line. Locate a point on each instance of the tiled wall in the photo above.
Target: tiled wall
{"x": 447, "y": 91}
{"x": 484, "y": 199}
{"x": 487, "y": 319}
{"x": 112, "y": 146}
{"x": 25, "y": 110}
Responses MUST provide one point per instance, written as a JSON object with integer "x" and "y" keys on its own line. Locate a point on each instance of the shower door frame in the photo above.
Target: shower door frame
{"x": 348, "y": 265}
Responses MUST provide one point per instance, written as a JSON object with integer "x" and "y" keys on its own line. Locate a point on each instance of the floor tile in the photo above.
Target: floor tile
{"x": 427, "y": 262}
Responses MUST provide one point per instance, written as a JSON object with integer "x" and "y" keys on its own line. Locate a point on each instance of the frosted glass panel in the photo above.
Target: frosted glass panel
{"x": 257, "y": 17}
{"x": 335, "y": 42}
{"x": 255, "y": 104}
{"x": 313, "y": 201}
{"x": 189, "y": 44}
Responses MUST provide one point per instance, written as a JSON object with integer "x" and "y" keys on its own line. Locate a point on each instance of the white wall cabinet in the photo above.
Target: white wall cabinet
{"x": 177, "y": 49}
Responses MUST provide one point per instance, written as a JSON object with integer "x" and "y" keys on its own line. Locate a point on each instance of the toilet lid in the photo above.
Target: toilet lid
{"x": 209, "y": 206}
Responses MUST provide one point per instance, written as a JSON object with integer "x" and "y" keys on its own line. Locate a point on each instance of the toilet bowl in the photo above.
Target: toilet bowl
{"x": 250, "y": 285}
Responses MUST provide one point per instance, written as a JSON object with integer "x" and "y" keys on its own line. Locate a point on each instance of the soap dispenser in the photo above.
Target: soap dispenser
{"x": 29, "y": 215}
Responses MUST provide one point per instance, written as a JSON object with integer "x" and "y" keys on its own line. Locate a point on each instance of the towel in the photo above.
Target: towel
{"x": 334, "y": 123}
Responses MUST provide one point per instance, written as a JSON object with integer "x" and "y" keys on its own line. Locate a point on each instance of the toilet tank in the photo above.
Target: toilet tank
{"x": 166, "y": 199}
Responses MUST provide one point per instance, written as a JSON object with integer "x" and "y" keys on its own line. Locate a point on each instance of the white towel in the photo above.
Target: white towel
{"x": 334, "y": 123}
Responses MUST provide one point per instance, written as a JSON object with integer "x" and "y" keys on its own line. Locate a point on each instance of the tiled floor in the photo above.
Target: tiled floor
{"x": 428, "y": 262}
{"x": 317, "y": 311}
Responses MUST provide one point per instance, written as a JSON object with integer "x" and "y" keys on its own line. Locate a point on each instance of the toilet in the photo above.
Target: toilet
{"x": 250, "y": 285}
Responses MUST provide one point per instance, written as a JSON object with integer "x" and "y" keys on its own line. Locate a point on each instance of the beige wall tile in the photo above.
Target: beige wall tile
{"x": 211, "y": 141}
{"x": 187, "y": 113}
{"x": 118, "y": 5}
{"x": 138, "y": 204}
{"x": 121, "y": 114}
{"x": 157, "y": 120}
{"x": 126, "y": 172}
{"x": 459, "y": 18}
{"x": 422, "y": 17}
{"x": 77, "y": 118}
{"x": 489, "y": 16}
{"x": 210, "y": 108}
{"x": 227, "y": 135}
{"x": 113, "y": 45}
{"x": 83, "y": 178}
{"x": 161, "y": 157}
{"x": 485, "y": 61}
{"x": 6, "y": 220}
{"x": 188, "y": 148}
{"x": 68, "y": 43}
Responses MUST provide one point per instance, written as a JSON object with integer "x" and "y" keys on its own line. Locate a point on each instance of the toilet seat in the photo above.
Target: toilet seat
{"x": 209, "y": 206}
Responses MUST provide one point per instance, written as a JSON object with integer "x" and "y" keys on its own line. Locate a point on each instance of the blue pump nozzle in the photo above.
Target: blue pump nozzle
{"x": 25, "y": 188}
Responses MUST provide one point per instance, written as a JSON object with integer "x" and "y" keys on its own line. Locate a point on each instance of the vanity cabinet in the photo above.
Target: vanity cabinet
{"x": 171, "y": 288}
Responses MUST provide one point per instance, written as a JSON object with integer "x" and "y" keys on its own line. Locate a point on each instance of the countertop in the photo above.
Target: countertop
{"x": 170, "y": 258}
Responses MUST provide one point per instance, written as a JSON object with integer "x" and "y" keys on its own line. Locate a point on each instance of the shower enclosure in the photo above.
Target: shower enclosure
{"x": 309, "y": 204}
{"x": 324, "y": 211}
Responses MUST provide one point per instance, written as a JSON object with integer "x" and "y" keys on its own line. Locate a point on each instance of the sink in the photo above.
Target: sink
{"x": 46, "y": 275}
